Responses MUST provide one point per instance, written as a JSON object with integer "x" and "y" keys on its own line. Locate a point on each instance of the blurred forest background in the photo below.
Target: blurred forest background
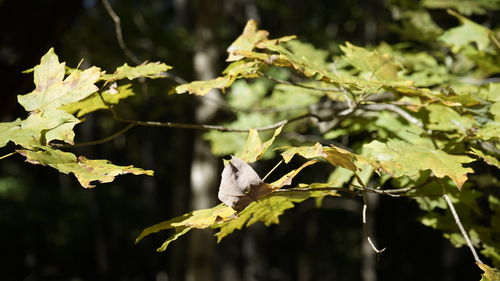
{"x": 53, "y": 229}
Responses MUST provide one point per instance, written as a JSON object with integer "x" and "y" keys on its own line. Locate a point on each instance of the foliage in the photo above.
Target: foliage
{"x": 418, "y": 123}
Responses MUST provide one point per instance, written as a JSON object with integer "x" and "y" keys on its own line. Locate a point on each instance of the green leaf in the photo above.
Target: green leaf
{"x": 52, "y": 91}
{"x": 381, "y": 66}
{"x": 85, "y": 170}
{"x": 418, "y": 25}
{"x": 147, "y": 70}
{"x": 254, "y": 147}
{"x": 466, "y": 7}
{"x": 489, "y": 131}
{"x": 467, "y": 32}
{"x": 400, "y": 158}
{"x": 490, "y": 160}
{"x": 224, "y": 143}
{"x": 95, "y": 102}
{"x": 444, "y": 118}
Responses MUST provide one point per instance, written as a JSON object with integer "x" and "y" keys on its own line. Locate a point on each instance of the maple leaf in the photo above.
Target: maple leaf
{"x": 147, "y": 70}
{"x": 400, "y": 158}
{"x": 52, "y": 91}
{"x": 85, "y": 170}
{"x": 466, "y": 33}
{"x": 196, "y": 219}
{"x": 254, "y": 148}
{"x": 95, "y": 102}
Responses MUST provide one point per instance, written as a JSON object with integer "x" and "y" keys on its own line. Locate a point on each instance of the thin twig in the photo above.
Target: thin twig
{"x": 119, "y": 34}
{"x": 213, "y": 127}
{"x": 461, "y": 227}
{"x": 7, "y": 155}
{"x": 365, "y": 226}
{"x": 272, "y": 170}
{"x": 395, "y": 109}
{"x": 103, "y": 140}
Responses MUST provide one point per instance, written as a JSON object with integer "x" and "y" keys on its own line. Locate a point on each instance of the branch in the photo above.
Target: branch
{"x": 118, "y": 30}
{"x": 461, "y": 227}
{"x": 89, "y": 143}
{"x": 213, "y": 127}
{"x": 365, "y": 227}
{"x": 395, "y": 109}
{"x": 7, "y": 155}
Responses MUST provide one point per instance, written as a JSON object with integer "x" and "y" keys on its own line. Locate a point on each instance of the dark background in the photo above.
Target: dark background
{"x": 53, "y": 229}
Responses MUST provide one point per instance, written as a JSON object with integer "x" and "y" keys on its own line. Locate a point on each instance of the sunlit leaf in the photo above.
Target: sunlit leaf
{"x": 196, "y": 219}
{"x": 52, "y": 91}
{"x": 444, "y": 118}
{"x": 468, "y": 32}
{"x": 147, "y": 70}
{"x": 254, "y": 147}
{"x": 381, "y": 66}
{"x": 399, "y": 158}
{"x": 267, "y": 210}
{"x": 95, "y": 101}
{"x": 85, "y": 170}
{"x": 490, "y": 274}
{"x": 486, "y": 158}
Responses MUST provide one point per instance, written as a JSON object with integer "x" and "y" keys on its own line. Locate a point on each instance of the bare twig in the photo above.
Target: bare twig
{"x": 272, "y": 170}
{"x": 365, "y": 227}
{"x": 7, "y": 155}
{"x": 213, "y": 127}
{"x": 103, "y": 140}
{"x": 461, "y": 227}
{"x": 395, "y": 109}
{"x": 119, "y": 34}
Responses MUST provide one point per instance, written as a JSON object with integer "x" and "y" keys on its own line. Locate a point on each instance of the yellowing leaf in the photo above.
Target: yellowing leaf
{"x": 195, "y": 219}
{"x": 85, "y": 170}
{"x": 247, "y": 40}
{"x": 267, "y": 210}
{"x": 95, "y": 102}
{"x": 52, "y": 91}
{"x": 490, "y": 274}
{"x": 399, "y": 158}
{"x": 12, "y": 131}
{"x": 147, "y": 70}
{"x": 381, "y": 66}
{"x": 254, "y": 147}
{"x": 335, "y": 155}
{"x": 202, "y": 88}
{"x": 304, "y": 151}
{"x": 287, "y": 179}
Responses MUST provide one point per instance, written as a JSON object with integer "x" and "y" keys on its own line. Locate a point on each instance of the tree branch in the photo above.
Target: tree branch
{"x": 7, "y": 155}
{"x": 213, "y": 127}
{"x": 365, "y": 226}
{"x": 103, "y": 140}
{"x": 119, "y": 34}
